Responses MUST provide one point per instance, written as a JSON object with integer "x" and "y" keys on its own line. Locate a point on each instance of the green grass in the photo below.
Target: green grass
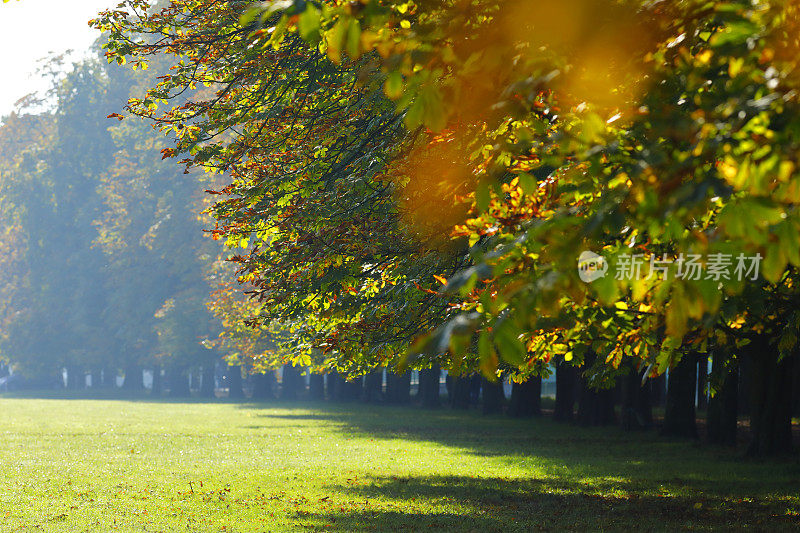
{"x": 99, "y": 465}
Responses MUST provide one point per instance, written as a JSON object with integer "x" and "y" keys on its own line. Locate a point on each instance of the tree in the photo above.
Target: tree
{"x": 682, "y": 151}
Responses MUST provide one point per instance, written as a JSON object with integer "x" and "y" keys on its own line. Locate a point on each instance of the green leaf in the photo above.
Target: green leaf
{"x": 527, "y": 183}
{"x": 394, "y": 85}
{"x": 506, "y": 337}
{"x": 774, "y": 263}
{"x": 308, "y": 24}
{"x": 483, "y": 196}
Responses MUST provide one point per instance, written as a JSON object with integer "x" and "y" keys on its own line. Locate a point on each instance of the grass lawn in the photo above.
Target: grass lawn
{"x": 98, "y": 465}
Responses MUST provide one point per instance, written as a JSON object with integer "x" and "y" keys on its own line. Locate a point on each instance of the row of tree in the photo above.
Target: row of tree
{"x": 409, "y": 183}
{"x": 104, "y": 266}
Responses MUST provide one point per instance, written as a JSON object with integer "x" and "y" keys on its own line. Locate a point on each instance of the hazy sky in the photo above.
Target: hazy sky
{"x": 31, "y": 30}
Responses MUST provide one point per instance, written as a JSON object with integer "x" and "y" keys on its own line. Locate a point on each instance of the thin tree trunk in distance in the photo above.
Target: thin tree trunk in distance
{"x": 493, "y": 396}
{"x": 526, "y": 398}
{"x": 566, "y": 378}
{"x": 702, "y": 381}
{"x": 461, "y": 392}
{"x": 178, "y": 382}
{"x": 679, "y": 415}
{"x": 658, "y": 389}
{"x": 264, "y": 385}
{"x": 316, "y": 387}
{"x": 429, "y": 386}
{"x": 637, "y": 408}
{"x": 158, "y": 382}
{"x": 722, "y": 407}
{"x": 770, "y": 400}
{"x": 373, "y": 386}
{"x": 207, "y": 381}
{"x": 398, "y": 387}
{"x": 292, "y": 383}
{"x": 235, "y": 390}
{"x": 133, "y": 378}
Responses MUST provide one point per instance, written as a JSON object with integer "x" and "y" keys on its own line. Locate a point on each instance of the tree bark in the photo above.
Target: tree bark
{"x": 398, "y": 387}
{"x": 770, "y": 400}
{"x": 316, "y": 387}
{"x": 658, "y": 390}
{"x": 596, "y": 407}
{"x": 178, "y": 383}
{"x": 722, "y": 407}
{"x": 493, "y": 396}
{"x": 158, "y": 382}
{"x": 74, "y": 377}
{"x": 475, "y": 386}
{"x": 429, "y": 386}
{"x": 637, "y": 408}
{"x": 702, "y": 381}
{"x": 745, "y": 378}
{"x": 207, "y": 381}
{"x": 292, "y": 385}
{"x": 796, "y": 390}
{"x": 679, "y": 416}
{"x": 97, "y": 378}
{"x": 133, "y": 378}
{"x": 461, "y": 392}
{"x": 264, "y": 385}
{"x": 109, "y": 380}
{"x": 526, "y": 398}
{"x": 351, "y": 390}
{"x": 373, "y": 386}
{"x": 235, "y": 390}
{"x": 566, "y": 378}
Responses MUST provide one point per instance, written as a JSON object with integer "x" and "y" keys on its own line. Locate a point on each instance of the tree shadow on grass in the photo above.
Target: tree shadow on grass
{"x": 495, "y": 504}
{"x": 614, "y": 477}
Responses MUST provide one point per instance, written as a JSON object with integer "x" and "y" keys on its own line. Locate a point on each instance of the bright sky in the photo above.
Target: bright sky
{"x": 30, "y": 30}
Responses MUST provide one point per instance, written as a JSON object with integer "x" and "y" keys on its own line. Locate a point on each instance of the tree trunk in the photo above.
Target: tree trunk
{"x": 373, "y": 386}
{"x": 109, "y": 379}
{"x": 334, "y": 385}
{"x": 566, "y": 377}
{"x": 745, "y": 378}
{"x": 133, "y": 378}
{"x": 398, "y": 387}
{"x": 722, "y": 407}
{"x": 596, "y": 407}
{"x": 493, "y": 396}
{"x": 526, "y": 398}
{"x": 796, "y": 390}
{"x": 292, "y": 385}
{"x": 475, "y": 386}
{"x": 770, "y": 399}
{"x": 702, "y": 381}
{"x": 316, "y": 387}
{"x": 461, "y": 392}
{"x": 637, "y": 408}
{"x": 235, "y": 390}
{"x": 429, "y": 386}
{"x": 658, "y": 389}
{"x": 158, "y": 382}
{"x": 97, "y": 378}
{"x": 679, "y": 416}
{"x": 178, "y": 382}
{"x": 74, "y": 377}
{"x": 208, "y": 384}
{"x": 264, "y": 385}
{"x": 351, "y": 390}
